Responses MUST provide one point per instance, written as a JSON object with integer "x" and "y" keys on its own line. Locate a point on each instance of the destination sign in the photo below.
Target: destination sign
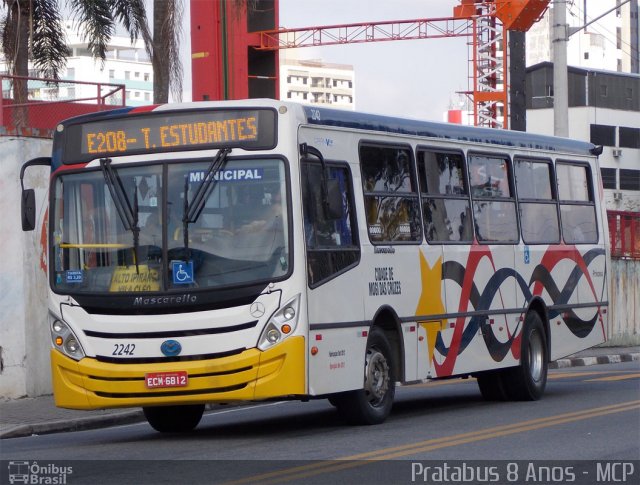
{"x": 162, "y": 131}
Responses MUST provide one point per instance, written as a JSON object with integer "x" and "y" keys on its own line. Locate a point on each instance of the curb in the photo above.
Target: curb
{"x": 76, "y": 424}
{"x": 601, "y": 359}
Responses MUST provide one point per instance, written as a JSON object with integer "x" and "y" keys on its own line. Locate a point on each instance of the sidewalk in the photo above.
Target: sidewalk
{"x": 24, "y": 417}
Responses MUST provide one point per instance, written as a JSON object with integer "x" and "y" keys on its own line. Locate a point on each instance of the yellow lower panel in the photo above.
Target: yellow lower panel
{"x": 251, "y": 375}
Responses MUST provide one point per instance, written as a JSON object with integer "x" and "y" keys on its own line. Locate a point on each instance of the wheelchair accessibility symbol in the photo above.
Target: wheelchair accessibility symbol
{"x": 182, "y": 272}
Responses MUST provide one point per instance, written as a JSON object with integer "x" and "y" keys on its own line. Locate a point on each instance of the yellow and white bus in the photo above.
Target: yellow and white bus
{"x": 255, "y": 250}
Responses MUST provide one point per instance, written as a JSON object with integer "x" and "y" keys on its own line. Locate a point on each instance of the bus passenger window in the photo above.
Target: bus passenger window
{"x": 445, "y": 198}
{"x": 537, "y": 202}
{"x": 494, "y": 207}
{"x": 577, "y": 208}
{"x": 332, "y": 244}
{"x": 390, "y": 194}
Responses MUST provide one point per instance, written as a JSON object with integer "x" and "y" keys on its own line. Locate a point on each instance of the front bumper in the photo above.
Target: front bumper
{"x": 251, "y": 375}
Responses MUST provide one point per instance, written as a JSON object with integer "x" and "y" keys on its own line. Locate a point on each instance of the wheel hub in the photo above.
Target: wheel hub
{"x": 376, "y": 382}
{"x": 536, "y": 356}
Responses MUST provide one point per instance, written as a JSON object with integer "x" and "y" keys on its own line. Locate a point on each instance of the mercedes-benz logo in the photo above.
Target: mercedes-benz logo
{"x": 257, "y": 309}
{"x": 171, "y": 348}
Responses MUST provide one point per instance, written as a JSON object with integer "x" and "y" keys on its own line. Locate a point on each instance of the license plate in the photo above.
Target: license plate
{"x": 166, "y": 379}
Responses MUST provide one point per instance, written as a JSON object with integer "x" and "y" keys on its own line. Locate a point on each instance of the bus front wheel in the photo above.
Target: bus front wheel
{"x": 174, "y": 419}
{"x": 372, "y": 404}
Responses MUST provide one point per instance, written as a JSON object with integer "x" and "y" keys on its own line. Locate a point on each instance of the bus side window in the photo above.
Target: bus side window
{"x": 537, "y": 202}
{"x": 494, "y": 207}
{"x": 445, "y": 198}
{"x": 390, "y": 194}
{"x": 577, "y": 206}
{"x": 332, "y": 245}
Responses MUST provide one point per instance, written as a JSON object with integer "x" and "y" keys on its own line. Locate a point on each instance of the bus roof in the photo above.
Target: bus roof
{"x": 449, "y": 131}
{"x": 328, "y": 117}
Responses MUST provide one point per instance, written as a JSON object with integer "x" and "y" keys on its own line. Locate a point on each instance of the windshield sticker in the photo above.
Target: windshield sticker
{"x": 239, "y": 174}
{"x": 74, "y": 277}
{"x": 182, "y": 272}
{"x": 130, "y": 278}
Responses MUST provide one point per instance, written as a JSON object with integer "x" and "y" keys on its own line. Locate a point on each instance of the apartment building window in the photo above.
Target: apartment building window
{"x": 609, "y": 178}
{"x": 603, "y": 135}
{"x": 147, "y": 76}
{"x": 629, "y": 179}
{"x": 112, "y": 74}
{"x": 127, "y": 74}
{"x": 629, "y": 137}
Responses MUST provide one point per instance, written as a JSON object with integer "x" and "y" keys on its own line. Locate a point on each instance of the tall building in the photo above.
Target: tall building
{"x": 610, "y": 43}
{"x": 125, "y": 64}
{"x": 317, "y": 82}
{"x": 604, "y": 108}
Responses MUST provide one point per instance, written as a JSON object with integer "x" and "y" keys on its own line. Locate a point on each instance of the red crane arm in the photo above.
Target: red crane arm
{"x": 365, "y": 32}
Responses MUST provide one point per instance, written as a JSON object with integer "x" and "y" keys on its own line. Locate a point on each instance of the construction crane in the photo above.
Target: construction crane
{"x": 485, "y": 23}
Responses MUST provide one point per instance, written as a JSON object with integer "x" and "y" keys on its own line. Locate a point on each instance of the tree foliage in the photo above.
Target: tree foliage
{"x": 33, "y": 30}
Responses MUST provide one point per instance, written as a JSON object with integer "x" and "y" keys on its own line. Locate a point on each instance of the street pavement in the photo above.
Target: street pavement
{"x": 39, "y": 415}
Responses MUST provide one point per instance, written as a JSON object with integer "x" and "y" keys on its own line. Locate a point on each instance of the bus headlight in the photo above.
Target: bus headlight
{"x": 281, "y": 324}
{"x": 65, "y": 341}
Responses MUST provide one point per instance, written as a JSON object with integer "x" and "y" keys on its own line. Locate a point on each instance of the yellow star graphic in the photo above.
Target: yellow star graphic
{"x": 430, "y": 302}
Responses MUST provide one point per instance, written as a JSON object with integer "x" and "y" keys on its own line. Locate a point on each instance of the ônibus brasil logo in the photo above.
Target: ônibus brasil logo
{"x": 35, "y": 473}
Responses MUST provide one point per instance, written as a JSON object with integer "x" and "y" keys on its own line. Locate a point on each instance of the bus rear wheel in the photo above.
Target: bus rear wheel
{"x": 528, "y": 381}
{"x": 174, "y": 419}
{"x": 372, "y": 404}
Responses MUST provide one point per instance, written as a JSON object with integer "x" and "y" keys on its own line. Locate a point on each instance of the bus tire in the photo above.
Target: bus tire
{"x": 491, "y": 385}
{"x": 528, "y": 381}
{"x": 174, "y": 419}
{"x": 372, "y": 404}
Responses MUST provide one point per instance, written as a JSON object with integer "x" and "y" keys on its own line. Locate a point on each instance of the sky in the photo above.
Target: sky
{"x": 414, "y": 78}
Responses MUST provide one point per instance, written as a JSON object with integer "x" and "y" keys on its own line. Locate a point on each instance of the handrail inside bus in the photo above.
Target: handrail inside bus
{"x": 93, "y": 245}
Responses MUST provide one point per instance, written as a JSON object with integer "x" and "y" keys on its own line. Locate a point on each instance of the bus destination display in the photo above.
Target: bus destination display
{"x": 170, "y": 131}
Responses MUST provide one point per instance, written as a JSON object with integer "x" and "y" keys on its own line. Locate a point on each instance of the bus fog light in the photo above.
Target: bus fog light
{"x": 273, "y": 335}
{"x": 72, "y": 346}
{"x": 57, "y": 326}
{"x": 289, "y": 313}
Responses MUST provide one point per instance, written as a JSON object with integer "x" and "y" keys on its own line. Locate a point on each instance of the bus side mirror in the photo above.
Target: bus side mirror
{"x": 28, "y": 205}
{"x": 333, "y": 204}
{"x": 28, "y": 199}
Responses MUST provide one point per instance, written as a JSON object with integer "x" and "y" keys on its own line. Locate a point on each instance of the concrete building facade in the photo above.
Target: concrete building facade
{"x": 317, "y": 82}
{"x": 604, "y": 108}
{"x": 610, "y": 43}
{"x": 125, "y": 64}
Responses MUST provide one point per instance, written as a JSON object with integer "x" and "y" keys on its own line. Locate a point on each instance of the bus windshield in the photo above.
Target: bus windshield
{"x": 237, "y": 235}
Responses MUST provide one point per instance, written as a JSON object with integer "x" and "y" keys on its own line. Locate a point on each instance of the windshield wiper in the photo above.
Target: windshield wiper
{"x": 192, "y": 210}
{"x": 128, "y": 214}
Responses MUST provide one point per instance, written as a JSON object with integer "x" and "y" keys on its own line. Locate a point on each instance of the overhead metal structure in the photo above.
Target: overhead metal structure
{"x": 485, "y": 23}
{"x": 492, "y": 21}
